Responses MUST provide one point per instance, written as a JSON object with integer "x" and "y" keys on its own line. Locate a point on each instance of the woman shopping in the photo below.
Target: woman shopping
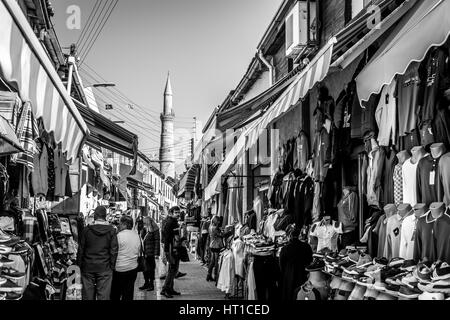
{"x": 151, "y": 240}
{"x": 216, "y": 245}
{"x": 125, "y": 273}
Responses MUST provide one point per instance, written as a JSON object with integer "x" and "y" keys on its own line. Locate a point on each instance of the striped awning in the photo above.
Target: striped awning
{"x": 315, "y": 72}
{"x": 26, "y": 68}
{"x": 187, "y": 183}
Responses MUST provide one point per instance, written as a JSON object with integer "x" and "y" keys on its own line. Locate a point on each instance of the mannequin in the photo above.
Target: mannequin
{"x": 429, "y": 189}
{"x": 317, "y": 282}
{"x": 438, "y": 150}
{"x": 409, "y": 175}
{"x": 441, "y": 230}
{"x": 418, "y": 153}
{"x": 408, "y": 229}
{"x": 437, "y": 209}
{"x": 402, "y": 157}
{"x": 393, "y": 230}
{"x": 420, "y": 209}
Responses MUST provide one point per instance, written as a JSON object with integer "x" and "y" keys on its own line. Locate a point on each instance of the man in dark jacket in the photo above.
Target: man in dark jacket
{"x": 169, "y": 235}
{"x": 151, "y": 240}
{"x": 97, "y": 257}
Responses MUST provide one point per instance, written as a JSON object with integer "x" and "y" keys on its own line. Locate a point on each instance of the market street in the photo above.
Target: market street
{"x": 192, "y": 287}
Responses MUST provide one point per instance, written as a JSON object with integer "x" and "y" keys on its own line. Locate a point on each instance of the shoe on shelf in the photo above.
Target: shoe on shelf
{"x": 396, "y": 262}
{"x": 408, "y": 265}
{"x": 13, "y": 296}
{"x": 410, "y": 280}
{"x": 10, "y": 286}
{"x": 392, "y": 289}
{"x": 166, "y": 294}
{"x": 5, "y": 249}
{"x": 12, "y": 274}
{"x": 2, "y": 281}
{"x": 441, "y": 272}
{"x": 4, "y": 261}
{"x": 180, "y": 275}
{"x": 409, "y": 293}
{"x": 423, "y": 274}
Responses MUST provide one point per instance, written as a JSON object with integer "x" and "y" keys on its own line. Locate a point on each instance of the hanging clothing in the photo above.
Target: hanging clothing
{"x": 408, "y": 237}
{"x": 227, "y": 272}
{"x": 386, "y": 115}
{"x": 327, "y": 235}
{"x": 373, "y": 177}
{"x": 39, "y": 176}
{"x": 348, "y": 212}
{"x": 251, "y": 283}
{"x": 322, "y": 152}
{"x": 393, "y": 232}
{"x": 390, "y": 161}
{"x": 27, "y": 132}
{"x": 258, "y": 208}
{"x": 302, "y": 151}
{"x": 398, "y": 184}
{"x": 444, "y": 177}
{"x": 381, "y": 231}
{"x": 304, "y": 196}
{"x": 231, "y": 212}
{"x": 429, "y": 189}
{"x": 238, "y": 248}
{"x": 269, "y": 230}
{"x": 410, "y": 95}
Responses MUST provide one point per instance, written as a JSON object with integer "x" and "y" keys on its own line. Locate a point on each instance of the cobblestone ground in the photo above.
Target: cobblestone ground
{"x": 193, "y": 286}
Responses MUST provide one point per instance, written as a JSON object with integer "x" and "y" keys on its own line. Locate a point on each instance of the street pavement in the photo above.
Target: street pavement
{"x": 193, "y": 286}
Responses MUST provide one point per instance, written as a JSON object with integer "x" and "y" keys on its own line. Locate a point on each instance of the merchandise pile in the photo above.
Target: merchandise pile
{"x": 401, "y": 279}
{"x": 11, "y": 280}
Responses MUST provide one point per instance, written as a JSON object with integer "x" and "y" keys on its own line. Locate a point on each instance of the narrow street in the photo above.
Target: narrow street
{"x": 193, "y": 286}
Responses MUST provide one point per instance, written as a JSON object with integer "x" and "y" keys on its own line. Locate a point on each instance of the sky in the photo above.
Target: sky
{"x": 206, "y": 45}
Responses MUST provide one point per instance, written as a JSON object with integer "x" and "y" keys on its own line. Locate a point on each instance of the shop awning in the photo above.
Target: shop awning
{"x": 25, "y": 66}
{"x": 9, "y": 144}
{"x": 106, "y": 134}
{"x": 425, "y": 26}
{"x": 315, "y": 72}
{"x": 187, "y": 183}
{"x": 351, "y": 54}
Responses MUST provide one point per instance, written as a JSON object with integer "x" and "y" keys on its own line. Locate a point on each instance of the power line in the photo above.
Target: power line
{"x": 88, "y": 22}
{"x": 98, "y": 34}
{"x": 90, "y": 32}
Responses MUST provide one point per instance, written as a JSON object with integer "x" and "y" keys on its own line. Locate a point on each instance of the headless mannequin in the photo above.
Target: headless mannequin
{"x": 420, "y": 209}
{"x": 318, "y": 279}
{"x": 438, "y": 150}
{"x": 417, "y": 154}
{"x": 402, "y": 157}
{"x": 437, "y": 209}
{"x": 404, "y": 210}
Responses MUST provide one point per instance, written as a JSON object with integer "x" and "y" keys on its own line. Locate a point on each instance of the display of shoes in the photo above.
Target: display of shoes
{"x": 12, "y": 274}
{"x": 5, "y": 249}
{"x": 10, "y": 286}
{"x": 4, "y": 261}
{"x": 396, "y": 263}
{"x": 365, "y": 281}
{"x": 2, "y": 281}
{"x": 19, "y": 249}
{"x": 408, "y": 265}
{"x": 316, "y": 265}
{"x": 13, "y": 296}
{"x": 392, "y": 289}
{"x": 423, "y": 273}
{"x": 441, "y": 272}
{"x": 409, "y": 293}
{"x": 442, "y": 286}
{"x": 410, "y": 280}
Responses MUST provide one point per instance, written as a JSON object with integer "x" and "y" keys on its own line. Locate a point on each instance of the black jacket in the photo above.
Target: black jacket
{"x": 168, "y": 232}
{"x": 98, "y": 249}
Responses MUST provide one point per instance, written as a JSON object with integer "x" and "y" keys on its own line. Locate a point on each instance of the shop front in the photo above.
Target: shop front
{"x": 361, "y": 169}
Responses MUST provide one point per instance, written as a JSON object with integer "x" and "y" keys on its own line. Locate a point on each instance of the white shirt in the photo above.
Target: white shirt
{"x": 386, "y": 115}
{"x": 129, "y": 248}
{"x": 327, "y": 235}
{"x": 269, "y": 230}
{"x": 409, "y": 171}
{"x": 407, "y": 237}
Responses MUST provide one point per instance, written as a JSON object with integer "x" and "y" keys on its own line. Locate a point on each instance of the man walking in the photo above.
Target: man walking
{"x": 171, "y": 240}
{"x": 97, "y": 257}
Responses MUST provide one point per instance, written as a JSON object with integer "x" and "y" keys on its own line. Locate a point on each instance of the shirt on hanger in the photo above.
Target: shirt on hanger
{"x": 409, "y": 96}
{"x": 408, "y": 236}
{"x": 327, "y": 235}
{"x": 393, "y": 232}
{"x": 386, "y": 115}
{"x": 380, "y": 230}
{"x": 428, "y": 181}
{"x": 409, "y": 173}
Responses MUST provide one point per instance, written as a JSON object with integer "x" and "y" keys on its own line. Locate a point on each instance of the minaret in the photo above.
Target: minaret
{"x": 167, "y": 150}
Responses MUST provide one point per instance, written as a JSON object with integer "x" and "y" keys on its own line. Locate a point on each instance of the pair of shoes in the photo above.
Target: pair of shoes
{"x": 166, "y": 294}
{"x": 180, "y": 275}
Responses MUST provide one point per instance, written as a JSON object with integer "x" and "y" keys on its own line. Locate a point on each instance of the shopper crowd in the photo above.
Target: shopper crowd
{"x": 111, "y": 257}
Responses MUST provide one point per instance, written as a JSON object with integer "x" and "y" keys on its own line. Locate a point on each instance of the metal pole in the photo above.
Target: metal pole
{"x": 360, "y": 191}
